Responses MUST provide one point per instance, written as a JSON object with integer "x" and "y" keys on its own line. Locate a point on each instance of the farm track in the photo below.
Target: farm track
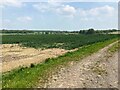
{"x": 100, "y": 70}
{"x": 14, "y": 56}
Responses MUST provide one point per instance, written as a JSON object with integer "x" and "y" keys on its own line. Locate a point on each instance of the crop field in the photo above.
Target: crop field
{"x": 26, "y": 55}
{"x": 55, "y": 41}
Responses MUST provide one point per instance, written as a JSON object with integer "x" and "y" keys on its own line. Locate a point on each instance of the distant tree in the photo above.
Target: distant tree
{"x": 113, "y": 30}
{"x": 46, "y": 32}
{"x": 82, "y": 31}
{"x": 91, "y": 31}
{"x": 97, "y": 31}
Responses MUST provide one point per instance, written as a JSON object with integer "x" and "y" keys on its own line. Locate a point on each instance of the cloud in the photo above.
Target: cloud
{"x": 24, "y": 19}
{"x": 63, "y": 9}
{"x": 98, "y": 14}
{"x": 105, "y": 10}
{"x": 43, "y": 7}
{"x": 66, "y": 10}
{"x": 46, "y": 6}
{"x": 14, "y": 3}
{"x": 98, "y": 11}
{"x": 56, "y": 7}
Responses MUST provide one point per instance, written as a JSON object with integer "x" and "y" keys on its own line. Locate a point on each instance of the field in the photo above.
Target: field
{"x": 55, "y": 40}
{"x": 74, "y": 48}
{"x": 66, "y": 44}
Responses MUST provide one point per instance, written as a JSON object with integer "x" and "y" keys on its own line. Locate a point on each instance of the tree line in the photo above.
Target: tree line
{"x": 89, "y": 31}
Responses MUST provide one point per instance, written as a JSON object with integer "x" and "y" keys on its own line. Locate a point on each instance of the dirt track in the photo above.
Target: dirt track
{"x": 99, "y": 70}
{"x": 14, "y": 56}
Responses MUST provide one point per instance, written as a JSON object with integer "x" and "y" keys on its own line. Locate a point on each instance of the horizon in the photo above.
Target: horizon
{"x": 56, "y": 30}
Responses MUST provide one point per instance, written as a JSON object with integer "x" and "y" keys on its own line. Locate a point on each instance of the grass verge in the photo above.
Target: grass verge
{"x": 30, "y": 77}
{"x": 114, "y": 48}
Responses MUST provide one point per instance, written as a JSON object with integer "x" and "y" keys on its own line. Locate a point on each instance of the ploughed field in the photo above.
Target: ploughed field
{"x": 14, "y": 56}
{"x": 55, "y": 40}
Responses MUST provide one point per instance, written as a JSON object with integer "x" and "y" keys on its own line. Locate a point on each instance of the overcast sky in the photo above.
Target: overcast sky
{"x": 59, "y": 15}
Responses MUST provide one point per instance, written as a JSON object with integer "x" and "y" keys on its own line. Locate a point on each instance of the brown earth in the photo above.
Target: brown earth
{"x": 14, "y": 56}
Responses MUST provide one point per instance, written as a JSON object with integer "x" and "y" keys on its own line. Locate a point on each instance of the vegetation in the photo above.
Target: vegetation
{"x": 107, "y": 31}
{"x": 16, "y": 31}
{"x": 92, "y": 31}
{"x": 25, "y": 77}
{"x": 29, "y": 77}
{"x": 55, "y": 41}
{"x": 89, "y": 31}
{"x": 114, "y": 48}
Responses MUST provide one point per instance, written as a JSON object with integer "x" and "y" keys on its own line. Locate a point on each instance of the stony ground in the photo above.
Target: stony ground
{"x": 99, "y": 70}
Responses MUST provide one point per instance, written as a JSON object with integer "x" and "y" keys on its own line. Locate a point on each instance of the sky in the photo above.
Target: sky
{"x": 51, "y": 15}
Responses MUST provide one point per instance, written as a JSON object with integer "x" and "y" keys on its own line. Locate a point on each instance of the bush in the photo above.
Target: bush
{"x": 32, "y": 65}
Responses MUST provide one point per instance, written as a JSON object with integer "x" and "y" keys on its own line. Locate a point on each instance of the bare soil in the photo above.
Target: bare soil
{"x": 14, "y": 56}
{"x": 100, "y": 70}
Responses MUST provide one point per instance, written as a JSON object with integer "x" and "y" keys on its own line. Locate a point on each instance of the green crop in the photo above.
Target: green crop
{"x": 55, "y": 41}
